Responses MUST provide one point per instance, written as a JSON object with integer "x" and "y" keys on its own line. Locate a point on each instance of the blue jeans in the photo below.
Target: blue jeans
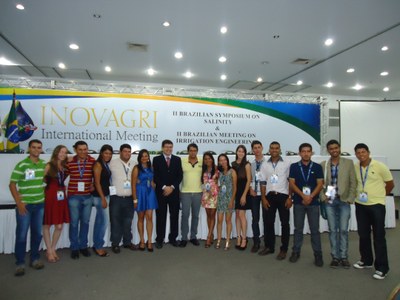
{"x": 80, "y": 207}
{"x": 190, "y": 200}
{"x": 33, "y": 219}
{"x": 312, "y": 212}
{"x": 100, "y": 223}
{"x": 338, "y": 214}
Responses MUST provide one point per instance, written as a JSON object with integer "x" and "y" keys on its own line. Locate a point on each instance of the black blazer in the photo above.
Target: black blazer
{"x": 164, "y": 175}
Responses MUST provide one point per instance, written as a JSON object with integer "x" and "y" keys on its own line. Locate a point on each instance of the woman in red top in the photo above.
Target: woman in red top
{"x": 55, "y": 206}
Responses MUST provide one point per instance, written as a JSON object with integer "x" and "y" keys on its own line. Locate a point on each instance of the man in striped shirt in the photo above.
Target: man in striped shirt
{"x": 26, "y": 187}
{"x": 80, "y": 200}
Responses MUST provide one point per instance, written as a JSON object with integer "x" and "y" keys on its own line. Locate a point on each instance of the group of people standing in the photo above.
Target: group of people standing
{"x": 220, "y": 187}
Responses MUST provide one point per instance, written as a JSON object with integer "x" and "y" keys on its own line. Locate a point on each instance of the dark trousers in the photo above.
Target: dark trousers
{"x": 121, "y": 216}
{"x": 276, "y": 202}
{"x": 161, "y": 214}
{"x": 255, "y": 223}
{"x": 372, "y": 216}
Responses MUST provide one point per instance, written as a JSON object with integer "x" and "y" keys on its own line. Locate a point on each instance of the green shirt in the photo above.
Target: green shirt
{"x": 378, "y": 175}
{"x": 191, "y": 182}
{"x": 29, "y": 179}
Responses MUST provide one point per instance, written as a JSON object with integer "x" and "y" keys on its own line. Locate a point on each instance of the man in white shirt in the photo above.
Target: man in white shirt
{"x": 121, "y": 201}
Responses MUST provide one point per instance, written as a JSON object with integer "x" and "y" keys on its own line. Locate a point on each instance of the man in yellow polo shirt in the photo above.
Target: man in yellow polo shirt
{"x": 190, "y": 195}
{"x": 374, "y": 182}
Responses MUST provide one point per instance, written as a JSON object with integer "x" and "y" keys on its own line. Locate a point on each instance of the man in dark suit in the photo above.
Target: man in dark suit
{"x": 167, "y": 177}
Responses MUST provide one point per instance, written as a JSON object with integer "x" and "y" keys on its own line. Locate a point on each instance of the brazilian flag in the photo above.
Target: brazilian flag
{"x": 12, "y": 133}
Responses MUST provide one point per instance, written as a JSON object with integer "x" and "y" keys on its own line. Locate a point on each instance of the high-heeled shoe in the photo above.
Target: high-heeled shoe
{"x": 227, "y": 245}
{"x": 238, "y": 242}
{"x": 208, "y": 243}
{"x": 245, "y": 245}
{"x": 218, "y": 244}
{"x": 150, "y": 246}
{"x": 142, "y": 246}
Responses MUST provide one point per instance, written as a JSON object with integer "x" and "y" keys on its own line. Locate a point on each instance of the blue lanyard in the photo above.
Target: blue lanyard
{"x": 364, "y": 179}
{"x": 126, "y": 170}
{"x": 274, "y": 165}
{"x": 107, "y": 167}
{"x": 309, "y": 172}
{"x": 60, "y": 178}
{"x": 258, "y": 165}
{"x": 81, "y": 170}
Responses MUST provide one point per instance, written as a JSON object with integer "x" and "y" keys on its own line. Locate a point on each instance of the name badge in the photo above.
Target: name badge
{"x": 258, "y": 176}
{"x": 306, "y": 190}
{"x": 113, "y": 190}
{"x": 127, "y": 184}
{"x": 207, "y": 186}
{"x": 363, "y": 197}
{"x": 30, "y": 174}
{"x": 81, "y": 186}
{"x": 331, "y": 192}
{"x": 273, "y": 179}
{"x": 223, "y": 189}
{"x": 60, "y": 195}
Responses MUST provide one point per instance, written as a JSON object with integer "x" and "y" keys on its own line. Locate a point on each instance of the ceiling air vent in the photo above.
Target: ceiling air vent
{"x": 137, "y": 47}
{"x": 301, "y": 61}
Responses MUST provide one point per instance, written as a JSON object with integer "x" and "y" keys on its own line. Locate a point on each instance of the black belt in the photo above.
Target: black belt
{"x": 277, "y": 193}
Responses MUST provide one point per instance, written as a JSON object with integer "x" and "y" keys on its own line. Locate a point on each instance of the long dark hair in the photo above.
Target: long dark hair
{"x": 227, "y": 160}
{"x": 244, "y": 160}
{"x": 140, "y": 155}
{"x": 53, "y": 163}
{"x": 103, "y": 149}
{"x": 204, "y": 167}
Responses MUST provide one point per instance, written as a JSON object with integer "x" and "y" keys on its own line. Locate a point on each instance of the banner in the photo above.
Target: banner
{"x": 143, "y": 121}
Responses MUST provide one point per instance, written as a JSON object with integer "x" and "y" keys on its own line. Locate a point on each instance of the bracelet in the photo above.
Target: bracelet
{"x": 135, "y": 201}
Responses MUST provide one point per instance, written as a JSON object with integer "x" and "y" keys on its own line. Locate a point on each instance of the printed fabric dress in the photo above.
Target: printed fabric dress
{"x": 225, "y": 182}
{"x": 241, "y": 185}
{"x": 145, "y": 192}
{"x": 210, "y": 190}
{"x": 55, "y": 203}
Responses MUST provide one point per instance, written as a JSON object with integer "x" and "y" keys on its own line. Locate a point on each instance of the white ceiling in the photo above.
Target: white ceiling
{"x": 37, "y": 39}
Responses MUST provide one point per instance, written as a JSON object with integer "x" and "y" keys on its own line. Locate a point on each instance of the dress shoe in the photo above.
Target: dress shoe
{"x": 255, "y": 248}
{"x": 281, "y": 255}
{"x": 294, "y": 257}
{"x": 74, "y": 254}
{"x": 85, "y": 252}
{"x": 266, "y": 251}
{"x": 159, "y": 245}
{"x": 183, "y": 244}
{"x": 318, "y": 260}
{"x": 116, "y": 249}
{"x": 195, "y": 242}
{"x": 174, "y": 243}
{"x": 131, "y": 247}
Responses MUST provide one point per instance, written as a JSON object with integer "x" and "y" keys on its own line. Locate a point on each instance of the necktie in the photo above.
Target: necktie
{"x": 168, "y": 160}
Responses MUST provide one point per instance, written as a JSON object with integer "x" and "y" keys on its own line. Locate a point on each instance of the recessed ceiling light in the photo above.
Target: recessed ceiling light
{"x": 224, "y": 29}
{"x": 299, "y": 82}
{"x": 74, "y": 46}
{"x": 5, "y": 62}
{"x": 222, "y": 59}
{"x": 151, "y": 71}
{"x": 328, "y": 42}
{"x": 351, "y": 70}
{"x": 329, "y": 84}
{"x": 385, "y": 48}
{"x": 259, "y": 79}
{"x": 188, "y": 74}
{"x": 61, "y": 65}
{"x": 357, "y": 87}
{"x": 386, "y": 89}
{"x": 223, "y": 77}
{"x": 107, "y": 68}
{"x": 97, "y": 16}
{"x": 20, "y": 7}
{"x": 384, "y": 73}
{"x": 166, "y": 24}
{"x": 178, "y": 55}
